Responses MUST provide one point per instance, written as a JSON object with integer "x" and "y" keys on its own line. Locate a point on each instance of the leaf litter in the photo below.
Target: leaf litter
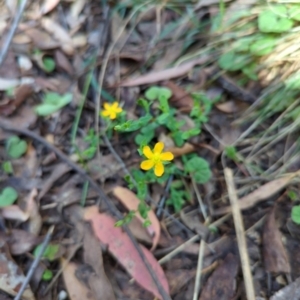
{"x": 55, "y": 48}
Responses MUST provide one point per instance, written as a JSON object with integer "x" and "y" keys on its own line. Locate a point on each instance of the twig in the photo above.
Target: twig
{"x": 161, "y": 203}
{"x": 178, "y": 249}
{"x": 110, "y": 205}
{"x": 35, "y": 263}
{"x": 240, "y": 234}
{"x": 199, "y": 270}
{"x": 12, "y": 31}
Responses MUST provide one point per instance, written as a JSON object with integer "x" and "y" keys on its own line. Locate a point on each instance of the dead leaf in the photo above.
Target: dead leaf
{"x": 185, "y": 149}
{"x": 63, "y": 63}
{"x": 76, "y": 289}
{"x": 163, "y": 75}
{"x": 35, "y": 220}
{"x": 180, "y": 98}
{"x": 14, "y": 212}
{"x": 9, "y": 68}
{"x": 48, "y": 6}
{"x": 41, "y": 39}
{"x": 131, "y": 202}
{"x": 59, "y": 34}
{"x": 139, "y": 232}
{"x": 192, "y": 221}
{"x": 6, "y": 84}
{"x": 220, "y": 285}
{"x": 97, "y": 279}
{"x": 262, "y": 193}
{"x": 291, "y": 291}
{"x": 231, "y": 106}
{"x": 275, "y": 256}
{"x": 179, "y": 278}
{"x": 21, "y": 241}
{"x": 121, "y": 247}
{"x": 58, "y": 171}
{"x": 11, "y": 276}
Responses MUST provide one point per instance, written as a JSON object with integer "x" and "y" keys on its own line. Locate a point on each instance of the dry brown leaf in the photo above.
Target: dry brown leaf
{"x": 262, "y": 193}
{"x": 11, "y": 276}
{"x": 59, "y": 34}
{"x": 41, "y": 39}
{"x": 6, "y": 84}
{"x": 231, "y": 106}
{"x": 180, "y": 98}
{"x": 131, "y": 202}
{"x": 63, "y": 63}
{"x": 164, "y": 74}
{"x": 76, "y": 289}
{"x": 59, "y": 170}
{"x": 185, "y": 149}
{"x": 221, "y": 282}
{"x": 14, "y": 212}
{"x": 20, "y": 241}
{"x": 9, "y": 68}
{"x": 193, "y": 222}
{"x": 48, "y": 5}
{"x": 275, "y": 256}
{"x": 139, "y": 232}
{"x": 96, "y": 278}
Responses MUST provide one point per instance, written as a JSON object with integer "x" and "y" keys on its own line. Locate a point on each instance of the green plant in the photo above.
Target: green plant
{"x": 15, "y": 147}
{"x": 50, "y": 252}
{"x": 295, "y": 214}
{"x": 52, "y": 102}
{"x": 8, "y": 196}
{"x": 158, "y": 113}
{"x": 7, "y": 167}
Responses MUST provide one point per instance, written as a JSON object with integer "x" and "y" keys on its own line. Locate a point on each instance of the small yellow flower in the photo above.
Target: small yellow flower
{"x": 156, "y": 158}
{"x": 111, "y": 110}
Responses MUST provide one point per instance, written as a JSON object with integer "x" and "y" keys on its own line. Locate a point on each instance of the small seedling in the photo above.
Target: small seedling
{"x": 295, "y": 215}
{"x": 15, "y": 147}
{"x": 8, "y": 196}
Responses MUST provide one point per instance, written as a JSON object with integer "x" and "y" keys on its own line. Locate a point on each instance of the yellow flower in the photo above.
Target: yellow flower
{"x": 111, "y": 110}
{"x": 156, "y": 158}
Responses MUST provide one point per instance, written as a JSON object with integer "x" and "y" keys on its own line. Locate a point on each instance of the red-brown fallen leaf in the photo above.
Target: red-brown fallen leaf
{"x": 76, "y": 289}
{"x": 11, "y": 276}
{"x": 275, "y": 256}
{"x": 48, "y": 6}
{"x": 63, "y": 63}
{"x": 131, "y": 202}
{"x": 180, "y": 98}
{"x": 231, "y": 106}
{"x": 121, "y": 247}
{"x": 164, "y": 74}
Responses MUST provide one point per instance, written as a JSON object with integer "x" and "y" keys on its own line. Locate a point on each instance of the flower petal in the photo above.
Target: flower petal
{"x": 147, "y": 165}
{"x": 167, "y": 156}
{"x": 159, "y": 169}
{"x": 113, "y": 115}
{"x": 115, "y": 105}
{"x": 147, "y": 152}
{"x": 106, "y": 105}
{"x": 105, "y": 113}
{"x": 158, "y": 148}
{"x": 118, "y": 109}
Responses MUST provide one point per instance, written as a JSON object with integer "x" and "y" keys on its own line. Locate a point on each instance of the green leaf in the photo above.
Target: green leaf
{"x": 177, "y": 137}
{"x": 274, "y": 20}
{"x": 145, "y": 104}
{"x": 231, "y": 152}
{"x": 47, "y": 275}
{"x": 143, "y": 209}
{"x": 189, "y": 133}
{"x": 232, "y": 61}
{"x": 250, "y": 71}
{"x": 243, "y": 44}
{"x": 7, "y": 167}
{"x": 292, "y": 195}
{"x": 53, "y": 102}
{"x": 163, "y": 118}
{"x": 147, "y": 223}
{"x": 133, "y": 125}
{"x": 48, "y": 64}
{"x": 15, "y": 147}
{"x": 50, "y": 252}
{"x": 263, "y": 46}
{"x": 293, "y": 82}
{"x": 152, "y": 93}
{"x": 294, "y": 12}
{"x": 8, "y": 196}
{"x": 295, "y": 215}
{"x": 198, "y": 168}
{"x": 164, "y": 93}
